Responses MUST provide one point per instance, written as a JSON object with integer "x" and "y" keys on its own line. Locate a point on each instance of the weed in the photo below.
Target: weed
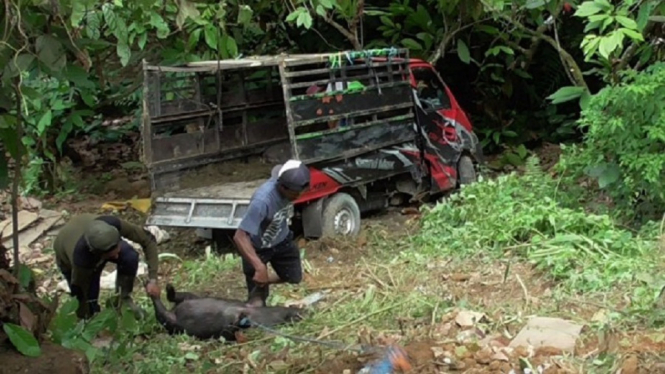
{"x": 526, "y": 215}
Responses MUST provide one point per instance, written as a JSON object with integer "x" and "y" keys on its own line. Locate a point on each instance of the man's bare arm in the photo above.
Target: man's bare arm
{"x": 246, "y": 249}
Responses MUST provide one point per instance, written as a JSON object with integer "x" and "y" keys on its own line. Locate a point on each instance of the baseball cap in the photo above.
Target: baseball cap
{"x": 293, "y": 175}
{"x": 100, "y": 236}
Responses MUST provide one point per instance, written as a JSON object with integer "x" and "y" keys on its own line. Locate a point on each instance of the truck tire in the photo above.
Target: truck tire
{"x": 340, "y": 216}
{"x": 466, "y": 171}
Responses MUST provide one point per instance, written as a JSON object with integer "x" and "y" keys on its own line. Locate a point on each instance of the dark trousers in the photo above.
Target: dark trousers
{"x": 127, "y": 264}
{"x": 284, "y": 259}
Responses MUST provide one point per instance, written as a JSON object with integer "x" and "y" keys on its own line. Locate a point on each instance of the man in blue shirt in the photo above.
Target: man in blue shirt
{"x": 264, "y": 236}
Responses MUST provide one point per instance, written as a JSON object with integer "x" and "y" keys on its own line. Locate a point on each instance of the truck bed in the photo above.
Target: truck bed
{"x": 218, "y": 206}
{"x": 233, "y": 190}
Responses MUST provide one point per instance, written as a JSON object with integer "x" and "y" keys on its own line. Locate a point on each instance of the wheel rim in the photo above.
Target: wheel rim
{"x": 344, "y": 223}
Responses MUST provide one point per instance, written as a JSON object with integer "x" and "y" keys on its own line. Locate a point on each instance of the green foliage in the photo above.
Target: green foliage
{"x": 22, "y": 340}
{"x": 569, "y": 93}
{"x": 50, "y": 117}
{"x": 83, "y": 62}
{"x": 528, "y": 215}
{"x": 70, "y": 332}
{"x": 624, "y": 142}
{"x": 613, "y": 21}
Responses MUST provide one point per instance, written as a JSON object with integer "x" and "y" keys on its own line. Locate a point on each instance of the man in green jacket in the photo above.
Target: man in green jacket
{"x": 87, "y": 242}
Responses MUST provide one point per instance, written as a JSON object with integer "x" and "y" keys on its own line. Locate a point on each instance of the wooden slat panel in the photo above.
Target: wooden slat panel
{"x": 348, "y": 103}
{"x": 267, "y": 129}
{"x": 182, "y": 146}
{"x": 343, "y": 144}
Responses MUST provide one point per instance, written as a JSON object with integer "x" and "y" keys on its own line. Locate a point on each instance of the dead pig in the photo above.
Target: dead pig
{"x": 277, "y": 154}
{"x": 268, "y": 316}
{"x": 209, "y": 317}
{"x": 202, "y": 318}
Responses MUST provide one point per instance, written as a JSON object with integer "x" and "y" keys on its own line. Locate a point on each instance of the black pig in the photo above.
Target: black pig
{"x": 211, "y": 317}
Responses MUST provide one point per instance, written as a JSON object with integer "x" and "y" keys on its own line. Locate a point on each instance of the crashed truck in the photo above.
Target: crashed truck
{"x": 375, "y": 127}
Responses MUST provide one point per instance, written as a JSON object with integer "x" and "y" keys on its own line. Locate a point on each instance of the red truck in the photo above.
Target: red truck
{"x": 375, "y": 127}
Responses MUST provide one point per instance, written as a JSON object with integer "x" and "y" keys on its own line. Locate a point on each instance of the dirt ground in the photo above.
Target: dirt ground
{"x": 54, "y": 360}
{"x": 434, "y": 344}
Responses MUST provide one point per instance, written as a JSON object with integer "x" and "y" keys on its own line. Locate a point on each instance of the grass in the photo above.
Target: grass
{"x": 510, "y": 248}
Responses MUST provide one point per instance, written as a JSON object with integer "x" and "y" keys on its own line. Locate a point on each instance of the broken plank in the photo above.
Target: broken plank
{"x": 25, "y": 219}
{"x": 29, "y": 236}
{"x": 4, "y": 224}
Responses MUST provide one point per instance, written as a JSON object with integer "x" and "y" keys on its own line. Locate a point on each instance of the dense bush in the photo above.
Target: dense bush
{"x": 624, "y": 144}
{"x": 526, "y": 216}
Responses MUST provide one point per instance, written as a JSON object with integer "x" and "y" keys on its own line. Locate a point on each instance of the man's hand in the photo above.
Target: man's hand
{"x": 261, "y": 275}
{"x": 152, "y": 288}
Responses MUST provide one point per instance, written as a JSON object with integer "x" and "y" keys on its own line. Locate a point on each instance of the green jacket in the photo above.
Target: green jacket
{"x": 73, "y": 255}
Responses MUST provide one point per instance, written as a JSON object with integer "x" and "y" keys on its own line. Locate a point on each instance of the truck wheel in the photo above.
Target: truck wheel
{"x": 466, "y": 172}
{"x": 341, "y": 216}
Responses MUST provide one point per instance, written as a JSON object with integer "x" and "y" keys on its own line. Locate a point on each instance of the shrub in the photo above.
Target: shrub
{"x": 624, "y": 144}
{"x": 525, "y": 214}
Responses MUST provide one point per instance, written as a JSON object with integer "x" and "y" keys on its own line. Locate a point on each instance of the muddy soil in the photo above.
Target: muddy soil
{"x": 54, "y": 359}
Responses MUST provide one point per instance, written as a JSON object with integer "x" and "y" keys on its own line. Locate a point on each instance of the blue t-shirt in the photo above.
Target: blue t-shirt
{"x": 266, "y": 220}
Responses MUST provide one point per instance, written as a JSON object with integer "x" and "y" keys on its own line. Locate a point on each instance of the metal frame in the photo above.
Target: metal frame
{"x": 293, "y": 69}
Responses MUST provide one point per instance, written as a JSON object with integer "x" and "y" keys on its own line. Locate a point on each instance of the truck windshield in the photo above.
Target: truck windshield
{"x": 430, "y": 90}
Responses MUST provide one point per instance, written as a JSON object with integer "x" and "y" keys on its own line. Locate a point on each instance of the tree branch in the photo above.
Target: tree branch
{"x": 535, "y": 41}
{"x": 569, "y": 62}
{"x": 441, "y": 48}
{"x": 353, "y": 38}
{"x": 630, "y": 51}
{"x": 355, "y": 22}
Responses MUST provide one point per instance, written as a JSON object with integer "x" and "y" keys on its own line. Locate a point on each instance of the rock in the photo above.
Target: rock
{"x": 630, "y": 365}
{"x": 500, "y": 356}
{"x": 495, "y": 340}
{"x": 437, "y": 351}
{"x": 466, "y": 336}
{"x": 467, "y": 318}
{"x": 548, "y": 351}
{"x": 522, "y": 351}
{"x": 548, "y": 332}
{"x": 458, "y": 365}
{"x": 495, "y": 366}
{"x": 483, "y": 356}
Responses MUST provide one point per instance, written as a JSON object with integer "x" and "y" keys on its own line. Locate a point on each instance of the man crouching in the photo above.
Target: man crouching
{"x": 264, "y": 236}
{"x": 83, "y": 247}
